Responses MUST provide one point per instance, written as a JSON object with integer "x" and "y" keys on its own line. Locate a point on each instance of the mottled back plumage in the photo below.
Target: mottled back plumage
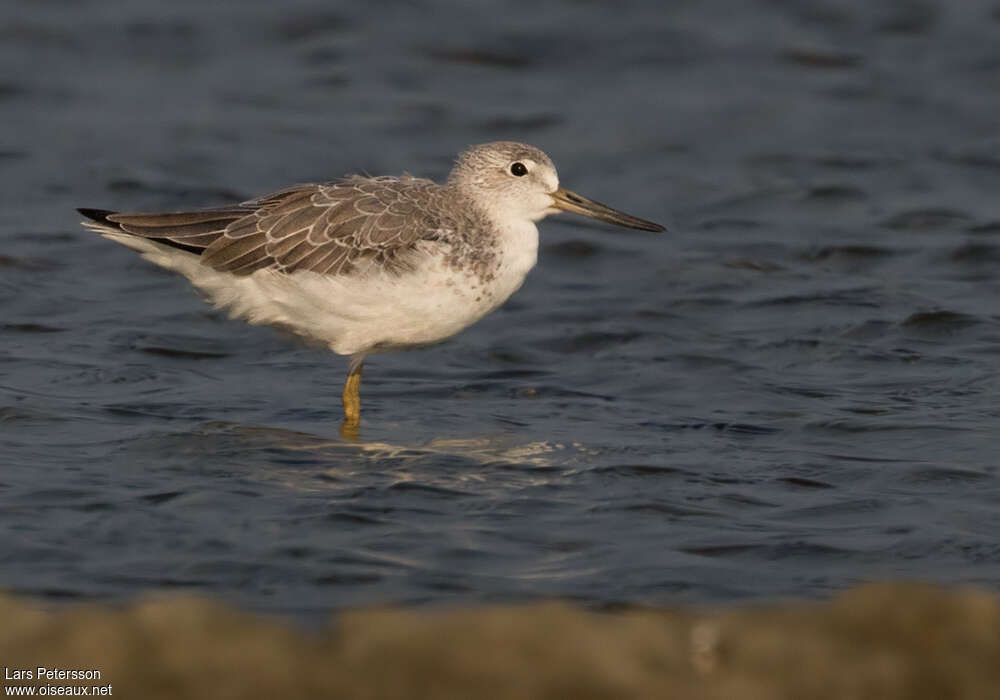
{"x": 329, "y": 228}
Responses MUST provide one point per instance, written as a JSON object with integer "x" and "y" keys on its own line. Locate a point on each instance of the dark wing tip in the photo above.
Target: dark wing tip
{"x": 98, "y": 215}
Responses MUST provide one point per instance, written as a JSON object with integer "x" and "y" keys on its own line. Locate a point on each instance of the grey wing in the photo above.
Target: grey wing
{"x": 329, "y": 229}
{"x": 326, "y": 228}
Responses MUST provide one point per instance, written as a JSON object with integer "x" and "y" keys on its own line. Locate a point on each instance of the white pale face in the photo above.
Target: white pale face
{"x": 512, "y": 180}
{"x": 529, "y": 186}
{"x": 517, "y": 184}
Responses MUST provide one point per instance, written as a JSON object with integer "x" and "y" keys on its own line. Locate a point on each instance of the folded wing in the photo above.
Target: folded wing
{"x": 325, "y": 228}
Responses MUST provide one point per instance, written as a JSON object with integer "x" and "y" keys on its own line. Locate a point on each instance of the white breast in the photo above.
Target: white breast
{"x": 361, "y": 313}
{"x": 518, "y": 254}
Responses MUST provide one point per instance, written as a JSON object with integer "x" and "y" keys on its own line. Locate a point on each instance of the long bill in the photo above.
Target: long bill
{"x": 567, "y": 200}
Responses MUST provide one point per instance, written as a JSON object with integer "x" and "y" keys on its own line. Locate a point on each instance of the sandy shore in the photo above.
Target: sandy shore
{"x": 878, "y": 641}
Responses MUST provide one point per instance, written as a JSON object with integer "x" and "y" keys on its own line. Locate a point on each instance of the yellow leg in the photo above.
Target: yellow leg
{"x": 352, "y": 402}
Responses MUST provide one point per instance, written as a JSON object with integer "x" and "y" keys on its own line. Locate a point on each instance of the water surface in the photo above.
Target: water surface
{"x": 792, "y": 391}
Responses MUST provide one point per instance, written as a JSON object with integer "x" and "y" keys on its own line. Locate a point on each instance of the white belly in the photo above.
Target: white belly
{"x": 364, "y": 313}
{"x": 433, "y": 302}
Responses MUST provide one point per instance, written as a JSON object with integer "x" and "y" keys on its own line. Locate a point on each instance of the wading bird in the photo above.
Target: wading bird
{"x": 368, "y": 264}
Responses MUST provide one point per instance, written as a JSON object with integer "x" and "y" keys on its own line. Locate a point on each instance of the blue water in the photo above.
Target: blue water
{"x": 792, "y": 391}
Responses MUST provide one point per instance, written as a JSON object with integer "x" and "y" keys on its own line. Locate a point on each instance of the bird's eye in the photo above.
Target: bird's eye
{"x": 518, "y": 169}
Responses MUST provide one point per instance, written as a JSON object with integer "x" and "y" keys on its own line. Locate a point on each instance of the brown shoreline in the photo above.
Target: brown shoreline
{"x": 881, "y": 641}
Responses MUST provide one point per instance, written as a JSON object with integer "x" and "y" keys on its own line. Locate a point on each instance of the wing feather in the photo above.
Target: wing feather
{"x": 283, "y": 247}
{"x": 178, "y": 218}
{"x": 227, "y": 256}
{"x": 327, "y": 228}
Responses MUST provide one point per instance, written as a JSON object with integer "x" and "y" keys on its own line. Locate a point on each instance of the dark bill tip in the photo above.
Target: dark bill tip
{"x": 567, "y": 200}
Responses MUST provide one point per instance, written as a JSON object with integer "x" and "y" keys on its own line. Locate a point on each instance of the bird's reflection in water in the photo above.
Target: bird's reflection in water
{"x": 308, "y": 461}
